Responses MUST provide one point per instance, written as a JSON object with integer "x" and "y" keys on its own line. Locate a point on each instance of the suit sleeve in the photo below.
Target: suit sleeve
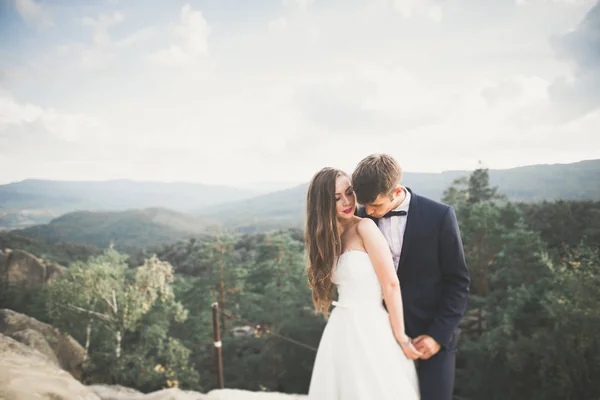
{"x": 455, "y": 281}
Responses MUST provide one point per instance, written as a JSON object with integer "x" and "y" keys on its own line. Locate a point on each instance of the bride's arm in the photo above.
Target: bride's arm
{"x": 381, "y": 258}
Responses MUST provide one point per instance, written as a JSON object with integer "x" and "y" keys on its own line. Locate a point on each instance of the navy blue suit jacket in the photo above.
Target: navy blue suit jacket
{"x": 433, "y": 275}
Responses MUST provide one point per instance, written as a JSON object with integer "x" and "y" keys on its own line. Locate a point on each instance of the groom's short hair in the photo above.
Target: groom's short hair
{"x": 374, "y": 175}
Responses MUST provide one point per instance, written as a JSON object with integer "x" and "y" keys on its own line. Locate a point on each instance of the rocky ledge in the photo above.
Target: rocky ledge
{"x": 35, "y": 357}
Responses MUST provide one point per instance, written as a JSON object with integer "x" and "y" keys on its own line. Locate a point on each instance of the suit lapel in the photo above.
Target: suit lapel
{"x": 410, "y": 228}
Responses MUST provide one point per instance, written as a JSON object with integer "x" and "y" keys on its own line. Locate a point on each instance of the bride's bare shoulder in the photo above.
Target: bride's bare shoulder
{"x": 366, "y": 226}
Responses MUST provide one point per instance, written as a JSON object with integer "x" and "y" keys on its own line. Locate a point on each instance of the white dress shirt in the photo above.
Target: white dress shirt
{"x": 393, "y": 229}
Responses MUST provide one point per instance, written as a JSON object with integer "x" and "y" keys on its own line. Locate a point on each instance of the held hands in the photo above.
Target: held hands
{"x": 408, "y": 348}
{"x": 427, "y": 346}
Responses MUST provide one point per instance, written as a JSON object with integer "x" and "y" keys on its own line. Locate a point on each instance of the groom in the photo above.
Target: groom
{"x": 427, "y": 250}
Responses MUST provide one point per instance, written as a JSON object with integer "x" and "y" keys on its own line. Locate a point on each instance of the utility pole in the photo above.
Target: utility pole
{"x": 221, "y": 254}
{"x": 217, "y": 344}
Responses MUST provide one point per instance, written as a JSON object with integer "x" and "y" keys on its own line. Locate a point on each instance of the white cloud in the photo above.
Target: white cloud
{"x": 101, "y": 52}
{"x": 299, "y": 4}
{"x": 104, "y": 49}
{"x": 391, "y": 110}
{"x": 565, "y": 2}
{"x": 191, "y": 37}
{"x": 371, "y": 99}
{"x": 278, "y": 25}
{"x": 430, "y": 9}
{"x": 136, "y": 37}
{"x": 34, "y": 13}
{"x": 67, "y": 127}
{"x": 283, "y": 92}
{"x": 578, "y": 92}
{"x": 392, "y": 101}
{"x": 70, "y": 127}
{"x": 101, "y": 25}
{"x": 12, "y": 113}
{"x": 517, "y": 101}
{"x": 313, "y": 32}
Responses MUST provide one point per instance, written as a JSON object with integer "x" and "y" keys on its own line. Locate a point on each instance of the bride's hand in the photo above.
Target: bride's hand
{"x": 409, "y": 349}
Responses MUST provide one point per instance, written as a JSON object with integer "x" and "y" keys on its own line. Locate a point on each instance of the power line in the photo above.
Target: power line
{"x": 267, "y": 331}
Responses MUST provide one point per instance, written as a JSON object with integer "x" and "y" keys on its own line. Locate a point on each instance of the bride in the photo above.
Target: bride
{"x": 364, "y": 352}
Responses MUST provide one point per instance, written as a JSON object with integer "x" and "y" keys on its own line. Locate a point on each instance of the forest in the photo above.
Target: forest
{"x": 145, "y": 317}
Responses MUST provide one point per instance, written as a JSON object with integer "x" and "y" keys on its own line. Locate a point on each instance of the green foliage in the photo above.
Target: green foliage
{"x": 259, "y": 279}
{"x": 105, "y": 305}
{"x": 62, "y": 253}
{"x": 24, "y": 300}
{"x": 564, "y": 224}
{"x": 530, "y": 332}
{"x": 536, "y": 318}
{"x": 542, "y": 340}
{"x": 481, "y": 225}
{"x": 277, "y": 296}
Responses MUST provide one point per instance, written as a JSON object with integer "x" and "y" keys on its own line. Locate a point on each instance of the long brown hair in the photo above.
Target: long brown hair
{"x": 321, "y": 236}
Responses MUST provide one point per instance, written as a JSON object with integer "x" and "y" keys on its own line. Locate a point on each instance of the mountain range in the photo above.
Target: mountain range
{"x": 139, "y": 214}
{"x": 576, "y": 181}
{"x": 34, "y": 201}
{"x": 126, "y": 230}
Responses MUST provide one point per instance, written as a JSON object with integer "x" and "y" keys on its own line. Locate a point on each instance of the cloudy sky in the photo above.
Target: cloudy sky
{"x": 227, "y": 92}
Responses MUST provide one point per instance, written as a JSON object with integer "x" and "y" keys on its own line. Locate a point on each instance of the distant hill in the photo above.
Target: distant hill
{"x": 130, "y": 231}
{"x": 576, "y": 181}
{"x": 38, "y": 201}
{"x": 282, "y": 209}
{"x": 146, "y": 227}
{"x": 23, "y": 218}
{"x": 63, "y": 253}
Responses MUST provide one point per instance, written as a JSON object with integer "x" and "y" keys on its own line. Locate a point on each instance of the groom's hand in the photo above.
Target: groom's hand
{"x": 426, "y": 345}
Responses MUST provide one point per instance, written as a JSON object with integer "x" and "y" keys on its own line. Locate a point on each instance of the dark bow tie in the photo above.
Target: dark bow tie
{"x": 394, "y": 213}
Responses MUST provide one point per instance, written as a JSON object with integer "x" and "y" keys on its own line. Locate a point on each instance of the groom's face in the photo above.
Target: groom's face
{"x": 384, "y": 203}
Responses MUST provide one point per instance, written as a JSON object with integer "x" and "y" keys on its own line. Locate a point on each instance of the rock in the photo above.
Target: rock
{"x": 236, "y": 394}
{"x": 53, "y": 271}
{"x": 4, "y": 255}
{"x": 30, "y": 368}
{"x": 115, "y": 392}
{"x": 11, "y": 347}
{"x": 175, "y": 394}
{"x": 18, "y": 267}
{"x": 69, "y": 354}
{"x": 28, "y": 374}
{"x": 106, "y": 392}
{"x": 26, "y": 269}
{"x": 35, "y": 340}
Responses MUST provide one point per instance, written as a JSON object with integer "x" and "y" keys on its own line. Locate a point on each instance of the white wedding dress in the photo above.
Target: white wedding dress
{"x": 358, "y": 357}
